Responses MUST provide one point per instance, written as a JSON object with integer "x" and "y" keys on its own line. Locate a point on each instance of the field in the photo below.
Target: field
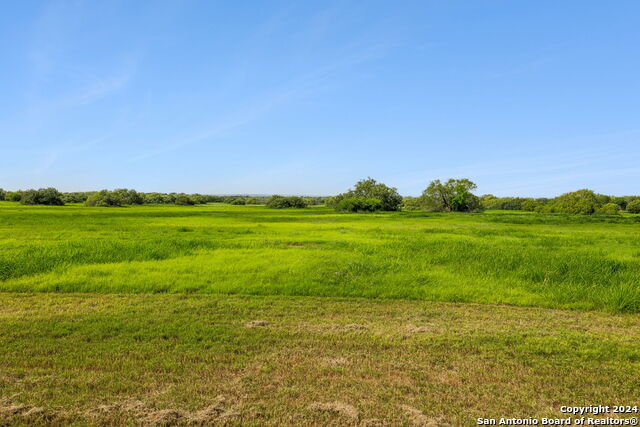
{"x": 246, "y": 315}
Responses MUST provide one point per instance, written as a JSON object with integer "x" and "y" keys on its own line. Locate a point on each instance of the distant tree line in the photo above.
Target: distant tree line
{"x": 124, "y": 197}
{"x": 367, "y": 195}
{"x": 577, "y": 202}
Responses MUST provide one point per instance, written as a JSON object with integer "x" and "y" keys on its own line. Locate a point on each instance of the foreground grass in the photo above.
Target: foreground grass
{"x": 123, "y": 359}
{"x": 496, "y": 257}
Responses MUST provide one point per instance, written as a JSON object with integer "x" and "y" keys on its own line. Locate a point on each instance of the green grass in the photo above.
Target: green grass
{"x": 243, "y": 315}
{"x": 559, "y": 261}
{"x": 126, "y": 359}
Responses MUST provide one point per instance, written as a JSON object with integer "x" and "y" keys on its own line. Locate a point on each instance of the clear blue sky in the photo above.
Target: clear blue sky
{"x": 528, "y": 98}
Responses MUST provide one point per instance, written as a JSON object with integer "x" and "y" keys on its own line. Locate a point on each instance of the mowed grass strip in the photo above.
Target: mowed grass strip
{"x": 559, "y": 261}
{"x": 263, "y": 360}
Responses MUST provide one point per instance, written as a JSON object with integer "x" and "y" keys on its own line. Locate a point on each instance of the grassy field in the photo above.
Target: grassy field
{"x": 244, "y": 315}
{"x": 497, "y": 257}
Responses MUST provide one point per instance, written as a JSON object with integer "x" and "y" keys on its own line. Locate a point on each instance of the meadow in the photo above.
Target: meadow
{"x": 243, "y": 315}
{"x": 499, "y": 257}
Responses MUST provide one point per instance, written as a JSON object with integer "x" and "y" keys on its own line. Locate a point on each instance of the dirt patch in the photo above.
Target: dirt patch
{"x": 217, "y": 411}
{"x": 298, "y": 244}
{"x": 256, "y": 324}
{"x": 338, "y": 408}
{"x": 165, "y": 417}
{"x": 417, "y": 418}
{"x": 7, "y": 413}
{"x": 419, "y": 329}
{"x": 335, "y": 363}
{"x": 354, "y": 327}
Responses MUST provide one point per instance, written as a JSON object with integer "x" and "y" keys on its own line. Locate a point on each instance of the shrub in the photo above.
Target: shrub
{"x": 370, "y": 188}
{"x": 578, "y": 202}
{"x": 43, "y": 196}
{"x": 359, "y": 204}
{"x": 530, "y": 205}
{"x": 281, "y": 202}
{"x": 609, "y": 209}
{"x": 74, "y": 197}
{"x": 411, "y": 204}
{"x": 238, "y": 201}
{"x": 634, "y": 206}
{"x": 184, "y": 200}
{"x": 103, "y": 198}
{"x": 14, "y": 196}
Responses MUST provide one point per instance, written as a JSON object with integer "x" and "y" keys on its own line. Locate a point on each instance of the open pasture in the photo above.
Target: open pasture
{"x": 572, "y": 261}
{"x": 242, "y": 315}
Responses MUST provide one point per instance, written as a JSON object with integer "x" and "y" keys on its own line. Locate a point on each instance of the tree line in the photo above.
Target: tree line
{"x": 367, "y": 195}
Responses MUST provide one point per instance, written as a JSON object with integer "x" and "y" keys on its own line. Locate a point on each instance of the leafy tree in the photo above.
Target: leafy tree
{"x": 184, "y": 200}
{"x": 609, "y": 209}
{"x": 620, "y": 201}
{"x": 43, "y": 196}
{"x": 128, "y": 197}
{"x": 103, "y": 198}
{"x": 14, "y": 196}
{"x": 3, "y": 194}
{"x": 281, "y": 202}
{"x": 452, "y": 196}
{"x": 238, "y": 201}
{"x": 578, "y": 202}
{"x": 371, "y": 189}
{"x": 530, "y": 205}
{"x": 634, "y": 206}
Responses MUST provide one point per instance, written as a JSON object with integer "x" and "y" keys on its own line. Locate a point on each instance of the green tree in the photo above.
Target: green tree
{"x": 3, "y": 194}
{"x": 184, "y": 200}
{"x": 634, "y": 206}
{"x": 582, "y": 201}
{"x": 43, "y": 196}
{"x": 281, "y": 202}
{"x": 371, "y": 189}
{"x": 455, "y": 195}
{"x": 609, "y": 209}
{"x": 103, "y": 198}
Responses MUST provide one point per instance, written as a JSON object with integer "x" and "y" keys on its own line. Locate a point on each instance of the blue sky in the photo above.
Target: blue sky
{"x": 298, "y": 97}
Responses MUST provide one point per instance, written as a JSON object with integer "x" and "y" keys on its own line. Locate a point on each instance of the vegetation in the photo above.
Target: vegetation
{"x": 560, "y": 261}
{"x": 43, "y": 196}
{"x": 91, "y": 359}
{"x": 359, "y": 204}
{"x": 369, "y": 188}
{"x": 243, "y": 315}
{"x": 280, "y": 202}
{"x": 455, "y": 195}
{"x": 634, "y": 207}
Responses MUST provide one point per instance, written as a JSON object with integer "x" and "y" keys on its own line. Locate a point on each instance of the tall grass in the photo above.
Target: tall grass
{"x": 496, "y": 257}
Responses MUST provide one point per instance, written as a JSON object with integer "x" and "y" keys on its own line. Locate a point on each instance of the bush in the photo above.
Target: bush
{"x": 103, "y": 198}
{"x": 411, "y": 204}
{"x": 634, "y": 206}
{"x": 609, "y": 209}
{"x": 14, "y": 196}
{"x": 359, "y": 204}
{"x": 184, "y": 200}
{"x": 367, "y": 189}
{"x": 74, "y": 197}
{"x": 530, "y": 205}
{"x": 238, "y": 201}
{"x": 44, "y": 196}
{"x": 281, "y": 202}
{"x": 578, "y": 202}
